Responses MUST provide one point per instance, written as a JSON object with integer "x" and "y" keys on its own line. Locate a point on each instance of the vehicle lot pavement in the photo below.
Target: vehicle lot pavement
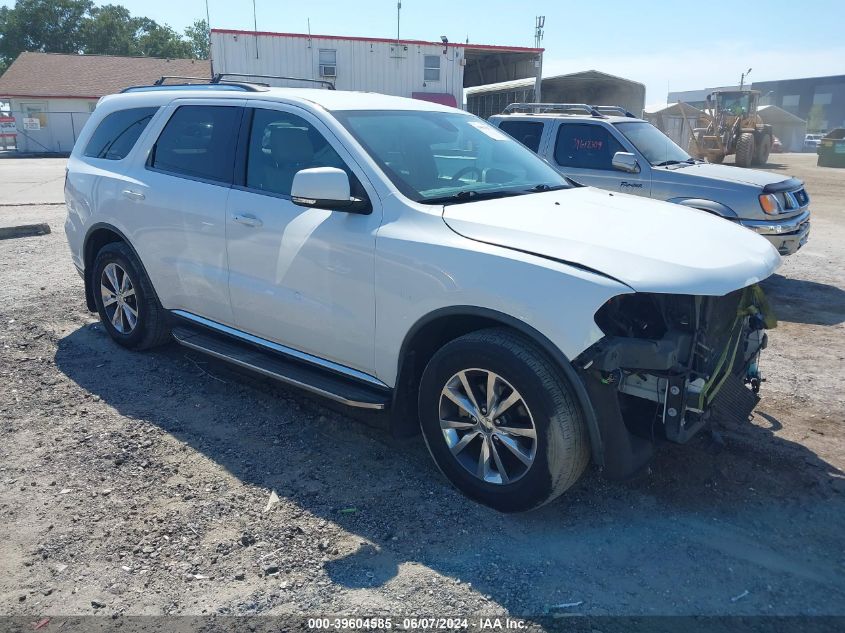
{"x": 32, "y": 180}
{"x": 139, "y": 483}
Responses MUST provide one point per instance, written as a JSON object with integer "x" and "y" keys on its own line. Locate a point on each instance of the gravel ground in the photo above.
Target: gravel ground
{"x": 166, "y": 483}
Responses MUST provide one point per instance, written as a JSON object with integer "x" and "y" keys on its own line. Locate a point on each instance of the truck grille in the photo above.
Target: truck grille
{"x": 793, "y": 200}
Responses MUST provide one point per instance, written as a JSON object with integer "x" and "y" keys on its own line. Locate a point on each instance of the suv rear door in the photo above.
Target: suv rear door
{"x": 301, "y": 277}
{"x": 584, "y": 151}
{"x": 175, "y": 203}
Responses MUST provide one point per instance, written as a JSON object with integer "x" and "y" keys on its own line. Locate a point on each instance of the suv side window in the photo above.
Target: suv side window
{"x": 281, "y": 144}
{"x": 199, "y": 142}
{"x": 117, "y": 133}
{"x": 528, "y": 133}
{"x": 586, "y": 146}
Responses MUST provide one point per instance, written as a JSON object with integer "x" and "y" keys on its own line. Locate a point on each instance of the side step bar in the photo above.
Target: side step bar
{"x": 289, "y": 371}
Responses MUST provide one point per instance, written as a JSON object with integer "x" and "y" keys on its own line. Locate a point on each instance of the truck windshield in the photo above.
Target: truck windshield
{"x": 448, "y": 157}
{"x": 657, "y": 148}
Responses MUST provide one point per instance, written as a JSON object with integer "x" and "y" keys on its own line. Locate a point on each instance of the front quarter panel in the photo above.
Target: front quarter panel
{"x": 422, "y": 266}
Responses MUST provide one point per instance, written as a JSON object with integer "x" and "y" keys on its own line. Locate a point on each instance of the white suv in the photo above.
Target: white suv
{"x": 389, "y": 253}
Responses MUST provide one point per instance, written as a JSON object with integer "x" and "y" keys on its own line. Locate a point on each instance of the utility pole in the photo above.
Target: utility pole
{"x": 398, "y": 15}
{"x": 742, "y": 79}
{"x": 208, "y": 27}
{"x": 255, "y": 26}
{"x": 539, "y": 25}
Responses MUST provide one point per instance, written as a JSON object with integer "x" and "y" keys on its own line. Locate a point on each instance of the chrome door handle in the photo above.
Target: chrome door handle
{"x": 247, "y": 219}
{"x": 133, "y": 195}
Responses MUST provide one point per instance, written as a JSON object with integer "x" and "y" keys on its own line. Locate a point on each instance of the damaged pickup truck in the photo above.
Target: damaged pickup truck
{"x": 393, "y": 254}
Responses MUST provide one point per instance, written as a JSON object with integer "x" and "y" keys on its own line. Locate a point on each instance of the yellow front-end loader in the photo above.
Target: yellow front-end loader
{"x": 735, "y": 128}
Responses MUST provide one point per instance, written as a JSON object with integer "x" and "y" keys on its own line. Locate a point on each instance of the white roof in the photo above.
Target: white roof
{"x": 326, "y": 99}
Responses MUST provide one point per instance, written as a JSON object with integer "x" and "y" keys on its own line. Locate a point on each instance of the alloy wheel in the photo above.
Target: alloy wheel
{"x": 487, "y": 426}
{"x": 119, "y": 299}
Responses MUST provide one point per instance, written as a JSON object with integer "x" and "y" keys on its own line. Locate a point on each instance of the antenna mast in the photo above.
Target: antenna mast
{"x": 539, "y": 25}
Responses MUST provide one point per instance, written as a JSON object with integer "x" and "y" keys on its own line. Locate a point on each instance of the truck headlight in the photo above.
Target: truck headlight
{"x": 769, "y": 203}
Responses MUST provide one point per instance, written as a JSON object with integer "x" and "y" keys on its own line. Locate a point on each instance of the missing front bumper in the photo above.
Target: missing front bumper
{"x": 670, "y": 364}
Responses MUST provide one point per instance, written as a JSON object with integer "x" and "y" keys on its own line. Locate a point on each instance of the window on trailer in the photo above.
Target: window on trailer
{"x": 328, "y": 62}
{"x": 432, "y": 68}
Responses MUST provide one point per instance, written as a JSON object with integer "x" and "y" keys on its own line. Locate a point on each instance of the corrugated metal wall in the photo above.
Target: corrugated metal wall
{"x": 361, "y": 65}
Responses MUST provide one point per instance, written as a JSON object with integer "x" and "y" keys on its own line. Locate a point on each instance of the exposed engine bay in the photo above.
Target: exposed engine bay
{"x": 675, "y": 361}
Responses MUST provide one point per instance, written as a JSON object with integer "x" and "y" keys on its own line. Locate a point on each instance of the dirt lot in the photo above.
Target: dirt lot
{"x": 139, "y": 483}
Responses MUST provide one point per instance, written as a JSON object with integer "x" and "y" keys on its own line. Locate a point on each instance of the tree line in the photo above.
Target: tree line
{"x": 77, "y": 26}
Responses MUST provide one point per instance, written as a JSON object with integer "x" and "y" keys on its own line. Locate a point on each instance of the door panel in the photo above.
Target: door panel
{"x": 584, "y": 152}
{"x": 174, "y": 207}
{"x": 298, "y": 276}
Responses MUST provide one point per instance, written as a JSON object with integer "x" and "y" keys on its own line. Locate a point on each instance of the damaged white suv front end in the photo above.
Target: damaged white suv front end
{"x": 681, "y": 348}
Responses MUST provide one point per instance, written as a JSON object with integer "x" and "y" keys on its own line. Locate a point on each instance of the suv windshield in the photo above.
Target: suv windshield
{"x": 657, "y": 148}
{"x": 442, "y": 157}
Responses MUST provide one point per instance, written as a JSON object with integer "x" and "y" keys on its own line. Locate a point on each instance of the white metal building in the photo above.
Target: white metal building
{"x": 789, "y": 128}
{"x": 433, "y": 71}
{"x": 677, "y": 121}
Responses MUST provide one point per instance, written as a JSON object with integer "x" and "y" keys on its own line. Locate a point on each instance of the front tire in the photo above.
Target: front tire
{"x": 745, "y": 150}
{"x": 501, "y": 422}
{"x": 125, "y": 299}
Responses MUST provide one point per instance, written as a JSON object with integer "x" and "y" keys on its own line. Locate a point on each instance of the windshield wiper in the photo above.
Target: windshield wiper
{"x": 668, "y": 162}
{"x": 544, "y": 187}
{"x": 472, "y": 196}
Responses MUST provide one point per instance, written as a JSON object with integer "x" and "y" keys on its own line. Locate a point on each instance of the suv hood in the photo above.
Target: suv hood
{"x": 648, "y": 245}
{"x": 719, "y": 175}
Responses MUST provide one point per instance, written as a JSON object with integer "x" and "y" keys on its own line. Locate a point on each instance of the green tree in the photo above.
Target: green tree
{"x": 199, "y": 37}
{"x": 77, "y": 26}
{"x": 50, "y": 26}
{"x": 159, "y": 40}
{"x": 111, "y": 30}
{"x": 815, "y": 119}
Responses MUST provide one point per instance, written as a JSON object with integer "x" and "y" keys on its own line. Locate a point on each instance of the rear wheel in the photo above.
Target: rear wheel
{"x": 764, "y": 148}
{"x": 745, "y": 150}
{"x": 501, "y": 422}
{"x": 125, "y": 299}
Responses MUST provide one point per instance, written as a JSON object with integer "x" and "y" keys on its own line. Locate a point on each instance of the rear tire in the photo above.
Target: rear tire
{"x": 745, "y": 150}
{"x": 125, "y": 299}
{"x": 764, "y": 148}
{"x": 474, "y": 452}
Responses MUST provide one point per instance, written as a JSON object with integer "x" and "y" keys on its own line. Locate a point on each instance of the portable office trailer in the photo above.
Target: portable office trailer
{"x": 433, "y": 71}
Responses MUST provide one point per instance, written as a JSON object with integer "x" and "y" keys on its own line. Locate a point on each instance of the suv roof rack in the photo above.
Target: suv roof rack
{"x": 219, "y": 82}
{"x": 567, "y": 108}
{"x": 619, "y": 110}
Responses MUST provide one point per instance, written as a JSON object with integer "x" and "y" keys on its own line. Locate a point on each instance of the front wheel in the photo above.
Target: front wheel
{"x": 501, "y": 422}
{"x": 745, "y": 150}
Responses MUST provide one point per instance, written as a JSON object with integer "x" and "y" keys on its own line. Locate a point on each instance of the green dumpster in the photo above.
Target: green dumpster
{"x": 832, "y": 149}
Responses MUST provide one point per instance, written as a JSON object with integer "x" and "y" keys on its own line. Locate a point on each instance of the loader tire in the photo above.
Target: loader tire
{"x": 745, "y": 150}
{"x": 764, "y": 148}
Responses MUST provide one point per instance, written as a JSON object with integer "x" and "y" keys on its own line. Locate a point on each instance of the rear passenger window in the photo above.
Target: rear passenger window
{"x": 586, "y": 146}
{"x": 199, "y": 141}
{"x": 281, "y": 144}
{"x": 526, "y": 132}
{"x": 116, "y": 135}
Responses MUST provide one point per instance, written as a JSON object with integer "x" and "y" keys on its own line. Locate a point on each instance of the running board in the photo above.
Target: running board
{"x": 289, "y": 371}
